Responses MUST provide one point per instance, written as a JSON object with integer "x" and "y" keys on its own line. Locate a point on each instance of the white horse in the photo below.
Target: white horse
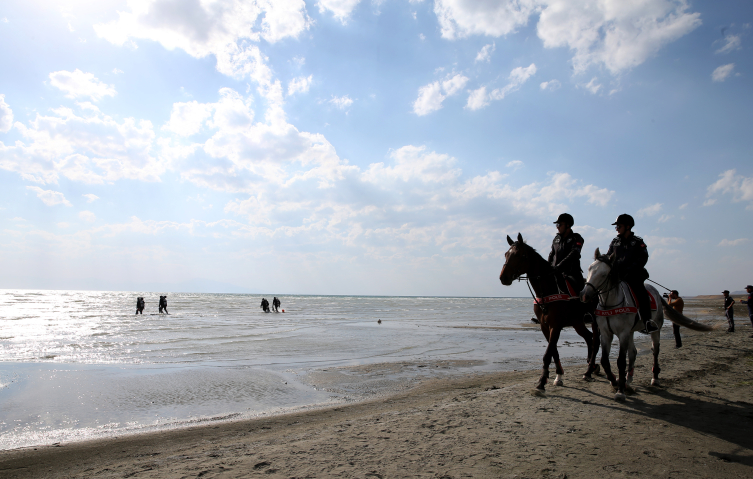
{"x": 616, "y": 316}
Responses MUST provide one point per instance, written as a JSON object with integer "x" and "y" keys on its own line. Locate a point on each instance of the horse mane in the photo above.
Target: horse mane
{"x": 534, "y": 254}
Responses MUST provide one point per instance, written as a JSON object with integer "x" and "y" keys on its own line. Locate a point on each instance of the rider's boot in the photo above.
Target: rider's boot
{"x": 649, "y": 327}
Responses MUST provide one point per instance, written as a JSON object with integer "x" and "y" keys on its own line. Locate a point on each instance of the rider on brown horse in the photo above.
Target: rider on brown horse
{"x": 631, "y": 256}
{"x": 565, "y": 254}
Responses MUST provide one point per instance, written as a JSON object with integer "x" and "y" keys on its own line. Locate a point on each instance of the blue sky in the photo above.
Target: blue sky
{"x": 368, "y": 147}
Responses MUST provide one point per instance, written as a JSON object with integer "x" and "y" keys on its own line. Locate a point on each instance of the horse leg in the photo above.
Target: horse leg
{"x": 547, "y": 358}
{"x": 584, "y": 333}
{"x": 621, "y": 366}
{"x": 554, "y": 337}
{"x": 655, "y": 349}
{"x": 606, "y": 347}
{"x": 596, "y": 343}
{"x": 632, "y": 353}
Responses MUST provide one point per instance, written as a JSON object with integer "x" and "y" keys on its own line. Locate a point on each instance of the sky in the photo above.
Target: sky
{"x": 375, "y": 147}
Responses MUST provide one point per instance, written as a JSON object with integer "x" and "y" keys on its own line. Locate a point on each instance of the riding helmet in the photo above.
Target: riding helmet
{"x": 625, "y": 219}
{"x": 565, "y": 219}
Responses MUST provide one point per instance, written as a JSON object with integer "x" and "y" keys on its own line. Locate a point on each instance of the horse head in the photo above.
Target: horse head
{"x": 599, "y": 276}
{"x": 516, "y": 261}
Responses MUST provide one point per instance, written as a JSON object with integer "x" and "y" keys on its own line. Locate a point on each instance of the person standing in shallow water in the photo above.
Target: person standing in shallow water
{"x": 678, "y": 305}
{"x": 728, "y": 311}
{"x": 264, "y": 305}
{"x": 276, "y": 303}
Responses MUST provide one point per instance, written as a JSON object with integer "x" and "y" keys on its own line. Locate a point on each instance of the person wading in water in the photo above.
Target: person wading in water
{"x": 631, "y": 256}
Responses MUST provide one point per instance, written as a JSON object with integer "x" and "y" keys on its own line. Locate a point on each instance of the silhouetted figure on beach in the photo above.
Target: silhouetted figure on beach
{"x": 729, "y": 311}
{"x": 265, "y": 305}
{"x": 678, "y": 304}
{"x": 163, "y": 304}
{"x": 140, "y": 305}
{"x": 276, "y": 303}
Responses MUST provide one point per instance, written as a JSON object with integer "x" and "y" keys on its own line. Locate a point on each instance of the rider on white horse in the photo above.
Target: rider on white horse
{"x": 565, "y": 254}
{"x": 631, "y": 256}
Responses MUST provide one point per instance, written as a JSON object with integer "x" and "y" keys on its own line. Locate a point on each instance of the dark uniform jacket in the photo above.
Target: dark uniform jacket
{"x": 631, "y": 257}
{"x": 565, "y": 255}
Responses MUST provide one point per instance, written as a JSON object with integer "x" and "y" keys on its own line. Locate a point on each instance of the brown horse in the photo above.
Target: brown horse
{"x": 522, "y": 259}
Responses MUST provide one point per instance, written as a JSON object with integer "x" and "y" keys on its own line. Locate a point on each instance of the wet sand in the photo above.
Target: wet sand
{"x": 696, "y": 424}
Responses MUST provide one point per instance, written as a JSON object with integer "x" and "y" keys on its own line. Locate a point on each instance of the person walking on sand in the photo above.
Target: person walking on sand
{"x": 728, "y": 311}
{"x": 749, "y": 304}
{"x": 678, "y": 305}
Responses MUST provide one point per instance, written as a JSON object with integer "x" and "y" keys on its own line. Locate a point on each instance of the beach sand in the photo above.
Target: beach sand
{"x": 698, "y": 423}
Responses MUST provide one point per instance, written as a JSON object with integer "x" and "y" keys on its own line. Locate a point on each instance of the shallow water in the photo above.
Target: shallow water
{"x": 78, "y": 365}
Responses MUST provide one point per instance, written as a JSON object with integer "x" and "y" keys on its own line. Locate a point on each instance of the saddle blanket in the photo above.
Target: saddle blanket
{"x": 571, "y": 294}
{"x": 627, "y": 308}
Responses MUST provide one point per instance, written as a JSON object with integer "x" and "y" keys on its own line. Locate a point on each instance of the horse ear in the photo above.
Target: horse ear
{"x": 520, "y": 238}
{"x": 597, "y": 253}
{"x": 509, "y": 240}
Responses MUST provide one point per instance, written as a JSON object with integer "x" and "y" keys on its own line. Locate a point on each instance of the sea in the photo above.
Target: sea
{"x": 81, "y": 365}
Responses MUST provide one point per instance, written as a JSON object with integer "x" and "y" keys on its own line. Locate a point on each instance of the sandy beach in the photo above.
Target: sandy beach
{"x": 696, "y": 424}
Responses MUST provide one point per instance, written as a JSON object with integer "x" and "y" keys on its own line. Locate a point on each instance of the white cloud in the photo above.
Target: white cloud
{"x": 85, "y": 146}
{"x": 485, "y": 54}
{"x": 518, "y": 76}
{"x": 414, "y": 163}
{"x": 665, "y": 218}
{"x": 241, "y": 154}
{"x": 341, "y": 102}
{"x": 736, "y": 242}
{"x": 729, "y": 182}
{"x": 299, "y": 85}
{"x": 77, "y": 85}
{"x": 515, "y": 164}
{"x": 187, "y": 119}
{"x": 117, "y": 71}
{"x": 90, "y": 198}
{"x": 49, "y": 197}
{"x": 462, "y": 18}
{"x": 721, "y": 73}
{"x": 6, "y": 116}
{"x": 431, "y": 96}
{"x": 593, "y": 86}
{"x": 649, "y": 210}
{"x": 731, "y": 43}
{"x": 87, "y": 216}
{"x": 477, "y": 99}
{"x": 619, "y": 35}
{"x": 683, "y": 206}
{"x": 213, "y": 27}
{"x": 341, "y": 9}
{"x": 62, "y": 225}
{"x": 550, "y": 85}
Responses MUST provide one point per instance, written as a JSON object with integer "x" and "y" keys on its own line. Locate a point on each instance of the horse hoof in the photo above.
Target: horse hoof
{"x": 559, "y": 382}
{"x": 619, "y": 397}
{"x": 538, "y": 392}
{"x": 588, "y": 378}
{"x": 654, "y": 382}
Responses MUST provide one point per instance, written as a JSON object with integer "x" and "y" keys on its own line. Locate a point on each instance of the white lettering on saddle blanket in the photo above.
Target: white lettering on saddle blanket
{"x": 615, "y": 311}
{"x": 554, "y": 297}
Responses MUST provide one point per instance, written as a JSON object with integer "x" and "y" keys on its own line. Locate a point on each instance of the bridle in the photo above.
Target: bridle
{"x": 521, "y": 277}
{"x": 600, "y": 292}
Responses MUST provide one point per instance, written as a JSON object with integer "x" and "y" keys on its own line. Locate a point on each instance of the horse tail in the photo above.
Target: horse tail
{"x": 681, "y": 320}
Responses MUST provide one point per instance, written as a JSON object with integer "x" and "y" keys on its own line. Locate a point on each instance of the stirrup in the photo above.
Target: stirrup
{"x": 649, "y": 327}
